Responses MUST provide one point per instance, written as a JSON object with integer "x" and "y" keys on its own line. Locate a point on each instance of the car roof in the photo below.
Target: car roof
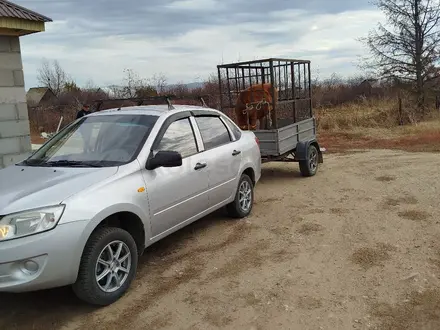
{"x": 152, "y": 110}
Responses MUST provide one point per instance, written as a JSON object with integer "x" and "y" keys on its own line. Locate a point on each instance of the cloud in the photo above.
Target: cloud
{"x": 186, "y": 39}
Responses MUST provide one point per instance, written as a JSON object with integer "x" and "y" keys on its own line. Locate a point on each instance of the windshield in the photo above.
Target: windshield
{"x": 96, "y": 141}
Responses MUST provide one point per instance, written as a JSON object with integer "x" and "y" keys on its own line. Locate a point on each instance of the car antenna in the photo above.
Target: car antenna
{"x": 119, "y": 109}
{"x": 170, "y": 106}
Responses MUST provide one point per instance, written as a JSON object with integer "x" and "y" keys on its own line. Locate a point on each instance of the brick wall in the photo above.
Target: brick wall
{"x": 15, "y": 143}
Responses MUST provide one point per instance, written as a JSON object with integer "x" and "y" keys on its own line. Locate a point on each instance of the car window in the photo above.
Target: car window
{"x": 214, "y": 132}
{"x": 103, "y": 140}
{"x": 179, "y": 137}
{"x": 235, "y": 130}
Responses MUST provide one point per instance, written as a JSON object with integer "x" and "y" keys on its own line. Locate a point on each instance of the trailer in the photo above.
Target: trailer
{"x": 273, "y": 98}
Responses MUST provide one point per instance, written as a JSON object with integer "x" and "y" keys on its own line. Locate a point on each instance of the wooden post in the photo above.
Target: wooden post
{"x": 59, "y": 124}
{"x": 400, "y": 110}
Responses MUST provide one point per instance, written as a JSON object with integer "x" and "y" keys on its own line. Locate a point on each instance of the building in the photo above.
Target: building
{"x": 37, "y": 96}
{"x": 15, "y": 22}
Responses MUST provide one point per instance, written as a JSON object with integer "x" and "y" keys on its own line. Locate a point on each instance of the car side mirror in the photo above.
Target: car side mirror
{"x": 164, "y": 159}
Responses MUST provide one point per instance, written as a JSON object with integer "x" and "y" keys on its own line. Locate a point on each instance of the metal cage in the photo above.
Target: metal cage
{"x": 290, "y": 77}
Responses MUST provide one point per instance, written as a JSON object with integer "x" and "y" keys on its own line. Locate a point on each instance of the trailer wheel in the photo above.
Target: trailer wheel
{"x": 244, "y": 199}
{"x": 309, "y": 166}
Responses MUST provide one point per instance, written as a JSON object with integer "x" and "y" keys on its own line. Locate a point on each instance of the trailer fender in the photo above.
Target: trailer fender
{"x": 303, "y": 146}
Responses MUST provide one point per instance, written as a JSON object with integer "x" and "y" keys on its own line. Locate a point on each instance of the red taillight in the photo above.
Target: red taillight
{"x": 258, "y": 141}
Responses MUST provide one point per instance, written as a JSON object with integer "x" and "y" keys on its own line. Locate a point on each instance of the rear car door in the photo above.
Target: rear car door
{"x": 178, "y": 194}
{"x": 223, "y": 155}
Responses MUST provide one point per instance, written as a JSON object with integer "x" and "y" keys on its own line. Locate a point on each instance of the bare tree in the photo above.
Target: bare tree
{"x": 52, "y": 76}
{"x": 90, "y": 86}
{"x": 334, "y": 81}
{"x": 159, "y": 82}
{"x": 116, "y": 91}
{"x": 409, "y": 49}
{"x": 132, "y": 82}
{"x": 135, "y": 86}
{"x": 179, "y": 89}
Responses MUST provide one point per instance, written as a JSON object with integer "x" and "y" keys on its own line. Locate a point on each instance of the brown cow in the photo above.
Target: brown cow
{"x": 255, "y": 102}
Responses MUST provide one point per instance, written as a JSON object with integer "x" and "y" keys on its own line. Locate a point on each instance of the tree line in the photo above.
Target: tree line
{"x": 403, "y": 54}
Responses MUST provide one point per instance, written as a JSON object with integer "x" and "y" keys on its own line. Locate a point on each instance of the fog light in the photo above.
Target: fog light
{"x": 30, "y": 267}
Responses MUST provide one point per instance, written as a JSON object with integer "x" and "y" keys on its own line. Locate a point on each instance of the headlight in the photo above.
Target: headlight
{"x": 29, "y": 222}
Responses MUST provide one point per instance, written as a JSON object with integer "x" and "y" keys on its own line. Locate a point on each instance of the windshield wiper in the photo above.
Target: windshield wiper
{"x": 27, "y": 162}
{"x": 72, "y": 163}
{"x": 23, "y": 162}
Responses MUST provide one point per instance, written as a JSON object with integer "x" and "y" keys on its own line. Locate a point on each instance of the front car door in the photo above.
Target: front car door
{"x": 223, "y": 155}
{"x": 177, "y": 195}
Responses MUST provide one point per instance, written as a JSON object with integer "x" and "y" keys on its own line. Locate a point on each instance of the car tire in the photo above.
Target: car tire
{"x": 240, "y": 208}
{"x": 88, "y": 287}
{"x": 309, "y": 166}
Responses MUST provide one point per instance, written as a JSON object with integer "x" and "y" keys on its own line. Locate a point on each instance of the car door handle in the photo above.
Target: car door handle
{"x": 236, "y": 152}
{"x": 199, "y": 166}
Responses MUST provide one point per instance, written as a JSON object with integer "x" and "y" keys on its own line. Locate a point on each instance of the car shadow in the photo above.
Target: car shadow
{"x": 176, "y": 241}
{"x": 52, "y": 309}
{"x": 278, "y": 174}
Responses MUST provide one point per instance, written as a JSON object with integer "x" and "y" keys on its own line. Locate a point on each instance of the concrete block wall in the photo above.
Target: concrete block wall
{"x": 15, "y": 142}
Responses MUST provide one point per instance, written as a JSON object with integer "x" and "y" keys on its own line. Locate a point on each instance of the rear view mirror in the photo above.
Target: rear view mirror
{"x": 164, "y": 159}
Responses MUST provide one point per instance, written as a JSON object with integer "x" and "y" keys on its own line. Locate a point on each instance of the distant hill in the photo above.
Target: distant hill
{"x": 193, "y": 85}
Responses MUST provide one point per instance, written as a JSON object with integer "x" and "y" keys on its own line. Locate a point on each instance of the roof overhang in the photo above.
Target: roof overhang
{"x": 19, "y": 27}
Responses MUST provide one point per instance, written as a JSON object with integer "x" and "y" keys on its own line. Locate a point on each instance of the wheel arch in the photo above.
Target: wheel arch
{"x": 128, "y": 221}
{"x": 250, "y": 172}
{"x": 232, "y": 206}
{"x": 120, "y": 215}
{"x": 303, "y": 146}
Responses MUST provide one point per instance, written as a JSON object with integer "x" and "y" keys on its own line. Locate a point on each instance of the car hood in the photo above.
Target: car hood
{"x": 27, "y": 187}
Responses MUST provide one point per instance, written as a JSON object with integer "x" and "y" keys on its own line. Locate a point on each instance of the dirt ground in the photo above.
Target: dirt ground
{"x": 355, "y": 247}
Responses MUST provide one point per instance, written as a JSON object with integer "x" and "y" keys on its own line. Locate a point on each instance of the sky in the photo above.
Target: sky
{"x": 95, "y": 40}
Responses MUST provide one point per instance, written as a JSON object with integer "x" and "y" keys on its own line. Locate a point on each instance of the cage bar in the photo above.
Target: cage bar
{"x": 291, "y": 78}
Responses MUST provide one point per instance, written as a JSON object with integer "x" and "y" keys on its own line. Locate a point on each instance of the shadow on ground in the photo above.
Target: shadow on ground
{"x": 51, "y": 309}
{"x": 280, "y": 174}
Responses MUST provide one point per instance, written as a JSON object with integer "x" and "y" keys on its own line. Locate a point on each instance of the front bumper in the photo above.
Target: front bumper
{"x": 43, "y": 260}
